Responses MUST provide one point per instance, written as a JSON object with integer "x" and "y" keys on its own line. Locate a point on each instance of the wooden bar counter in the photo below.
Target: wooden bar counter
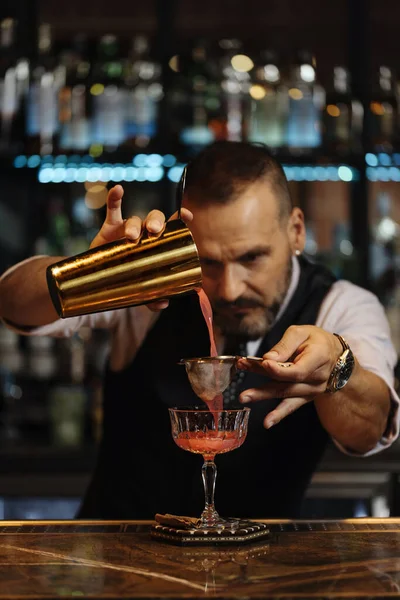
{"x": 355, "y": 558}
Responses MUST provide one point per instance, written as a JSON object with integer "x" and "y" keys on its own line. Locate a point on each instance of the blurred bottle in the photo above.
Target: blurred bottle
{"x": 58, "y": 227}
{"x": 235, "y": 67}
{"x": 73, "y": 109}
{"x": 143, "y": 93}
{"x": 11, "y": 366}
{"x": 8, "y": 84}
{"x": 342, "y": 116}
{"x": 107, "y": 96}
{"x": 385, "y": 235}
{"x": 201, "y": 98}
{"x": 306, "y": 101}
{"x": 382, "y": 112}
{"x": 269, "y": 103}
{"x": 42, "y": 110}
{"x": 67, "y": 398}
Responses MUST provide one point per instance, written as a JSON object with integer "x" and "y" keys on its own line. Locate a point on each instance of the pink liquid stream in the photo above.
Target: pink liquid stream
{"x": 206, "y": 309}
{"x": 217, "y": 403}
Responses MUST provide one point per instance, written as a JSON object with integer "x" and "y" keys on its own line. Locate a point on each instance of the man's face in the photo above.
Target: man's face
{"x": 245, "y": 253}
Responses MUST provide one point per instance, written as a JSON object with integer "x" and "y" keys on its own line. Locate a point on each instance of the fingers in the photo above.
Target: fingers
{"x": 309, "y": 368}
{"x": 155, "y": 222}
{"x": 186, "y": 215}
{"x": 116, "y": 227}
{"x": 281, "y": 390}
{"x": 113, "y": 226}
{"x": 159, "y": 305}
{"x": 284, "y": 409}
{"x": 287, "y": 371}
{"x": 114, "y": 204}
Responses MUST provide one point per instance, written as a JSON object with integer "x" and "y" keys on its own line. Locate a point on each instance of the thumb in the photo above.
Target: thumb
{"x": 288, "y": 344}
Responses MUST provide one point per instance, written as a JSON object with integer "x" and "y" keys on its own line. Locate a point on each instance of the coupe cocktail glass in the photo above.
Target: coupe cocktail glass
{"x": 209, "y": 433}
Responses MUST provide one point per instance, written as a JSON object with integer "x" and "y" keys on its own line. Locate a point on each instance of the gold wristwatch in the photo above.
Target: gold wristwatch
{"x": 343, "y": 369}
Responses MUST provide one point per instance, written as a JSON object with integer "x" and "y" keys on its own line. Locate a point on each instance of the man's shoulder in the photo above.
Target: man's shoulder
{"x": 347, "y": 302}
{"x": 344, "y": 288}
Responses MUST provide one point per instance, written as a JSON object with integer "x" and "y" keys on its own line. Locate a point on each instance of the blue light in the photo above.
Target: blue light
{"x": 118, "y": 173}
{"x": 383, "y": 174}
{"x": 46, "y": 163}
{"x": 175, "y": 173}
{"x": 58, "y": 174}
{"x": 321, "y": 173}
{"x": 94, "y": 174}
{"x": 345, "y": 173}
{"x": 61, "y": 158}
{"x": 88, "y": 159}
{"x": 309, "y": 173}
{"x": 154, "y": 173}
{"x": 154, "y": 160}
{"x": 169, "y": 160}
{"x": 106, "y": 172}
{"x": 332, "y": 173}
{"x": 34, "y": 161}
{"x": 20, "y": 161}
{"x": 141, "y": 174}
{"x": 288, "y": 172}
{"x": 81, "y": 174}
{"x": 70, "y": 174}
{"x": 371, "y": 159}
{"x": 48, "y": 158}
{"x": 372, "y": 174}
{"x": 297, "y": 174}
{"x": 384, "y": 159}
{"x": 130, "y": 173}
{"x": 140, "y": 160}
{"x": 394, "y": 173}
{"x": 45, "y": 175}
{"x": 396, "y": 159}
{"x": 75, "y": 158}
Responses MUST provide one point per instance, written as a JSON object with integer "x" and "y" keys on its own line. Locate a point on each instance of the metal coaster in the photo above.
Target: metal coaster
{"x": 248, "y": 531}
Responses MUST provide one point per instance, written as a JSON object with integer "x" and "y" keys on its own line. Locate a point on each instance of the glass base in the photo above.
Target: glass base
{"x": 211, "y": 521}
{"x": 241, "y": 532}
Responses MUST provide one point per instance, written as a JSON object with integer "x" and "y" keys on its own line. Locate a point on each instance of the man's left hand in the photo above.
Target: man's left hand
{"x": 299, "y": 365}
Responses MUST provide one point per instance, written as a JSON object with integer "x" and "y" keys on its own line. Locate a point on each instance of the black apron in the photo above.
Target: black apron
{"x": 140, "y": 471}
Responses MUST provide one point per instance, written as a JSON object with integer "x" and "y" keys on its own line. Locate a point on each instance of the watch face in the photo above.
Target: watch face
{"x": 345, "y": 371}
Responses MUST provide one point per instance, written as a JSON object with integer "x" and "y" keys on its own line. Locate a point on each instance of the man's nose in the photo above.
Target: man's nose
{"x": 230, "y": 285}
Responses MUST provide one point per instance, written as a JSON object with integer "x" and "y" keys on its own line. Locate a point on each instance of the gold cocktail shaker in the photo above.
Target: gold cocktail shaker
{"x": 125, "y": 273}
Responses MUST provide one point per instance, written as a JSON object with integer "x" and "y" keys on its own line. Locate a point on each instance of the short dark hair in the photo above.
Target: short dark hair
{"x": 223, "y": 169}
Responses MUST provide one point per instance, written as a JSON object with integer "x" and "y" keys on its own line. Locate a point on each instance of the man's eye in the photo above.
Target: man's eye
{"x": 250, "y": 258}
{"x": 205, "y": 262}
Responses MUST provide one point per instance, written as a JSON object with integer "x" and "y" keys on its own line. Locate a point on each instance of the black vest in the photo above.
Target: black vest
{"x": 140, "y": 470}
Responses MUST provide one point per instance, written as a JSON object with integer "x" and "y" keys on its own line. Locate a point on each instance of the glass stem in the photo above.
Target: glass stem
{"x": 209, "y": 515}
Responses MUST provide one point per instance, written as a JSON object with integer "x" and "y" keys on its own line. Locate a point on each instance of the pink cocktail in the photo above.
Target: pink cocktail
{"x": 209, "y": 443}
{"x": 209, "y": 433}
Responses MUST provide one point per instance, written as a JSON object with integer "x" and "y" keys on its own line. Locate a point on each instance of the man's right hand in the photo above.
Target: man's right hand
{"x": 115, "y": 227}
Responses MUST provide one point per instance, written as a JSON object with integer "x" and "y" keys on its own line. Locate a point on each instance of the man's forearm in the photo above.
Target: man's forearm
{"x": 356, "y": 416}
{"x": 24, "y": 295}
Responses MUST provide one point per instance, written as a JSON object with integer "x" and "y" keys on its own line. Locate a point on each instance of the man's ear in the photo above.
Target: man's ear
{"x": 297, "y": 230}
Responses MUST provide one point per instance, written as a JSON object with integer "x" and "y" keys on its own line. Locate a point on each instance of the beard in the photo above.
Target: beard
{"x": 259, "y": 320}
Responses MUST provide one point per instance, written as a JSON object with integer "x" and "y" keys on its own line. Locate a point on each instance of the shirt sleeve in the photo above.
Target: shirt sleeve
{"x": 128, "y": 327}
{"x": 359, "y": 317}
